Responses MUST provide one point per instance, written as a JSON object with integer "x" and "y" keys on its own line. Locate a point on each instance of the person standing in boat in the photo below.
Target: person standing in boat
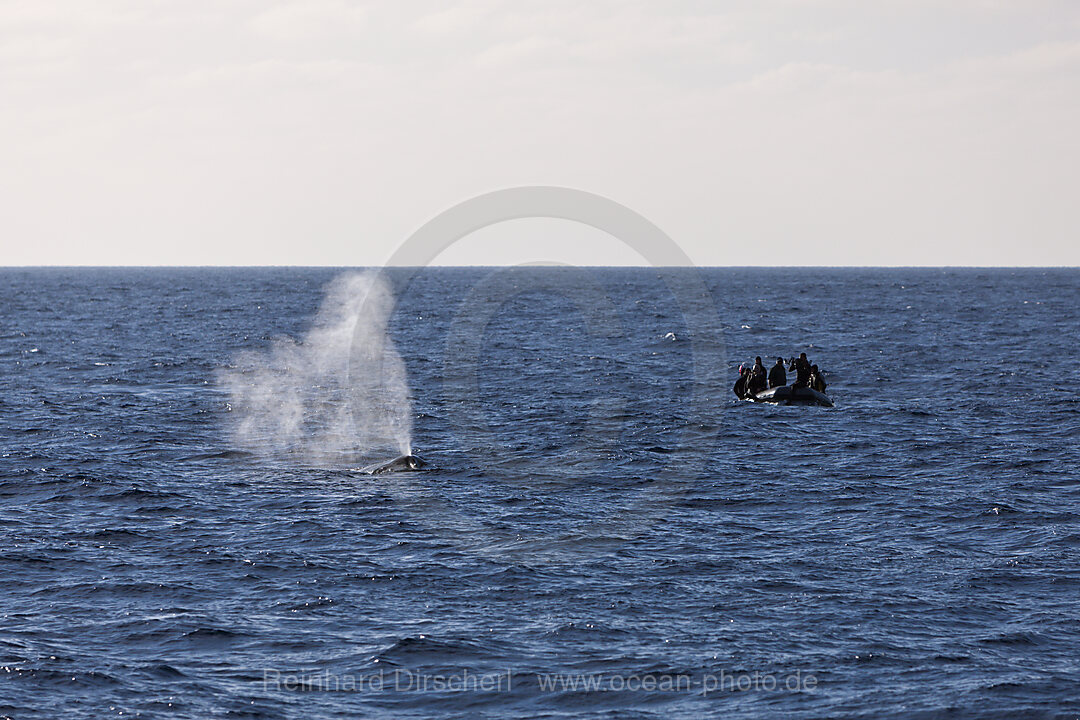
{"x": 801, "y": 366}
{"x": 777, "y": 376}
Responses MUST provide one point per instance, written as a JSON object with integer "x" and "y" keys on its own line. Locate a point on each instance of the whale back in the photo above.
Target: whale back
{"x": 402, "y": 463}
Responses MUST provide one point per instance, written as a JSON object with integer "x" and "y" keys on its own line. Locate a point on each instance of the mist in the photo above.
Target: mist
{"x": 340, "y": 395}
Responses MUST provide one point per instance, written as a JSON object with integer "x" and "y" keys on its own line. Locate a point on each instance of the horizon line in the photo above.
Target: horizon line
{"x": 547, "y": 265}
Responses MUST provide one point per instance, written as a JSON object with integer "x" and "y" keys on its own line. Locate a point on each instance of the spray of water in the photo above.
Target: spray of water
{"x": 339, "y": 395}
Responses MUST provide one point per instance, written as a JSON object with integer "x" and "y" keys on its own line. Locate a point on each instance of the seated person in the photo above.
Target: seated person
{"x": 817, "y": 379}
{"x": 777, "y": 376}
{"x": 740, "y": 385}
{"x": 758, "y": 378}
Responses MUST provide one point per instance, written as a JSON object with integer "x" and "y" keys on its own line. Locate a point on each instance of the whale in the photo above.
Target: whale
{"x": 402, "y": 463}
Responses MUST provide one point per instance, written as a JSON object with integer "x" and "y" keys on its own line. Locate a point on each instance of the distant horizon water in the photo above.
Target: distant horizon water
{"x": 538, "y": 264}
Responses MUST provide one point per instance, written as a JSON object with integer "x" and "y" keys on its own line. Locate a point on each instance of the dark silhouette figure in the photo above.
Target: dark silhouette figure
{"x": 801, "y": 366}
{"x": 758, "y": 377}
{"x": 740, "y": 385}
{"x": 777, "y": 376}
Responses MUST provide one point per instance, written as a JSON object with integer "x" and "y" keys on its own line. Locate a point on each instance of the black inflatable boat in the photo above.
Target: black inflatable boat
{"x": 788, "y": 395}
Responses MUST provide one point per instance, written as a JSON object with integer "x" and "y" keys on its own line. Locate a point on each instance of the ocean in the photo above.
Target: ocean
{"x": 603, "y": 530}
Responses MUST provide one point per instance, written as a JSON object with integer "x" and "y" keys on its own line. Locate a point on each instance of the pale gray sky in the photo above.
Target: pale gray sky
{"x": 323, "y": 132}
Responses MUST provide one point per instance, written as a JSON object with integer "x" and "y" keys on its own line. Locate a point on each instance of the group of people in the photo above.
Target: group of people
{"x": 753, "y": 380}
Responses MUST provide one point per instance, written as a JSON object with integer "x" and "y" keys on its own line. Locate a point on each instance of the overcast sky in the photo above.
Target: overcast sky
{"x": 323, "y": 132}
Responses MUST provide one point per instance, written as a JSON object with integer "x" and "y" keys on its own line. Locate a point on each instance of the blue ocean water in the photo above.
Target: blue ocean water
{"x": 606, "y": 531}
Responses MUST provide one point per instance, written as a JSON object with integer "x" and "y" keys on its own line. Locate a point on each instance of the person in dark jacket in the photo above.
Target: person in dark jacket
{"x": 740, "y": 385}
{"x": 801, "y": 366}
{"x": 758, "y": 377}
{"x": 777, "y": 376}
{"x": 817, "y": 380}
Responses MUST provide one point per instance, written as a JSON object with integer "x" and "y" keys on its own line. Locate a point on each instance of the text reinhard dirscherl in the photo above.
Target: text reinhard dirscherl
{"x": 400, "y": 680}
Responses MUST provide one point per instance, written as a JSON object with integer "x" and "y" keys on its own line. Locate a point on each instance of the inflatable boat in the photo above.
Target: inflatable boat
{"x": 788, "y": 395}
